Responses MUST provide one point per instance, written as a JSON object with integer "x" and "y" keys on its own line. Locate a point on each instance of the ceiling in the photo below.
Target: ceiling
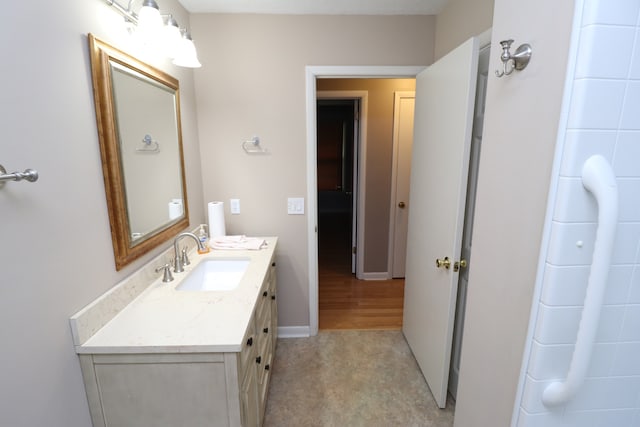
{"x": 317, "y": 7}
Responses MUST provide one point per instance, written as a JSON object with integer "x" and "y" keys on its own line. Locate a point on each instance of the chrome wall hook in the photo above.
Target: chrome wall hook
{"x": 517, "y": 61}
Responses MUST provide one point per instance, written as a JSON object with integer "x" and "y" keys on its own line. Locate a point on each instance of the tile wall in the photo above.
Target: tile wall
{"x": 603, "y": 118}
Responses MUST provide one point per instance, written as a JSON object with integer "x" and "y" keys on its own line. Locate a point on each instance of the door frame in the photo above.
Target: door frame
{"x": 311, "y": 74}
{"x": 398, "y": 95}
{"x": 360, "y": 171}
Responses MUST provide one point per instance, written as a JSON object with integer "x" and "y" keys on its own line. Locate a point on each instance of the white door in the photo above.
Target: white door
{"x": 403, "y": 109}
{"x": 442, "y": 135}
{"x": 465, "y": 253}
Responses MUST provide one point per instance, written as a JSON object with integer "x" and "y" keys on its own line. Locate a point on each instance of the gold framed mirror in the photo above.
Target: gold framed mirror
{"x": 138, "y": 118}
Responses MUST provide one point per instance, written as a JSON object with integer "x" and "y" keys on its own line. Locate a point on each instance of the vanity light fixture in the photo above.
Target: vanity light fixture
{"x": 186, "y": 53}
{"x": 149, "y": 24}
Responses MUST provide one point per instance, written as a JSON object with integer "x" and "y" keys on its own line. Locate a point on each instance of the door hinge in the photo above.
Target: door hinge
{"x": 353, "y": 250}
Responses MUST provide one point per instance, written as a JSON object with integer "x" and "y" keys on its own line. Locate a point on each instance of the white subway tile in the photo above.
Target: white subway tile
{"x": 626, "y": 245}
{"x": 557, "y": 325}
{"x": 618, "y": 284}
{"x": 571, "y": 243}
{"x": 625, "y": 12}
{"x": 568, "y": 285}
{"x": 627, "y": 359}
{"x": 580, "y": 145}
{"x": 564, "y": 285}
{"x": 629, "y": 199}
{"x": 631, "y": 324}
{"x": 634, "y": 291}
{"x": 532, "y": 396}
{"x": 547, "y": 419}
{"x": 602, "y": 359}
{"x": 631, "y": 107}
{"x": 626, "y": 162}
{"x": 549, "y": 362}
{"x": 597, "y": 104}
{"x": 635, "y": 58}
{"x": 606, "y": 393}
{"x": 600, "y": 418}
{"x": 574, "y": 203}
{"x": 604, "y": 51}
{"x": 610, "y": 323}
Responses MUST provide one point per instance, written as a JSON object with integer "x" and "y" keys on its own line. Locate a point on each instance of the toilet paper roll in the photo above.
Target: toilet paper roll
{"x": 175, "y": 210}
{"x": 216, "y": 219}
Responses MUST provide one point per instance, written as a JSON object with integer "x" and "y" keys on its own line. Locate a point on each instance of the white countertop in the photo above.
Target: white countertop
{"x": 164, "y": 320}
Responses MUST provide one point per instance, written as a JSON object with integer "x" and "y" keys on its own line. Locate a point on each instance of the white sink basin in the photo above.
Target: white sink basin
{"x": 215, "y": 275}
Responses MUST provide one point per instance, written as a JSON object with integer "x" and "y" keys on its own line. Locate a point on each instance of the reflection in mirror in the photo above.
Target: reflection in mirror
{"x": 138, "y": 115}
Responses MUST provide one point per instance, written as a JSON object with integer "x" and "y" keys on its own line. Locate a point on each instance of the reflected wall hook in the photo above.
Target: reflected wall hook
{"x": 518, "y": 61}
{"x": 28, "y": 174}
{"x": 149, "y": 145}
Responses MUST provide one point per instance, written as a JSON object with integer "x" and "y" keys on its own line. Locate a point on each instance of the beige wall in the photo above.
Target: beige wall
{"x": 521, "y": 121}
{"x": 460, "y": 20}
{"x": 379, "y": 160}
{"x": 253, "y": 83}
{"x": 56, "y": 245}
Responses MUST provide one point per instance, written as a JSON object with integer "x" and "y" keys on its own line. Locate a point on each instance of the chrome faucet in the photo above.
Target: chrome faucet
{"x": 178, "y": 266}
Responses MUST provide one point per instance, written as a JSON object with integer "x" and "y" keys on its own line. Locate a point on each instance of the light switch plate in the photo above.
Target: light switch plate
{"x": 234, "y": 205}
{"x": 295, "y": 205}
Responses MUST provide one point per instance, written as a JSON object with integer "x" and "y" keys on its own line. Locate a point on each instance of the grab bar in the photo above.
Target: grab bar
{"x": 599, "y": 179}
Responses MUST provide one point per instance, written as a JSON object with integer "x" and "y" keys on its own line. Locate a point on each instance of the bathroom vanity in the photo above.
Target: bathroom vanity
{"x": 154, "y": 355}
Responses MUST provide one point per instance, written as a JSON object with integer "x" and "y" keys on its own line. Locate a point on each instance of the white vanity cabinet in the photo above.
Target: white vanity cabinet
{"x": 186, "y": 385}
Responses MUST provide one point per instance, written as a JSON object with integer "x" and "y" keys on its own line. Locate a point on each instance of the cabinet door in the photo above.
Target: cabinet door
{"x": 249, "y": 399}
{"x": 162, "y": 394}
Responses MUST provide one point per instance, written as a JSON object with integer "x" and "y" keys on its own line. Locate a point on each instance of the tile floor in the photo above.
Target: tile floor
{"x": 350, "y": 378}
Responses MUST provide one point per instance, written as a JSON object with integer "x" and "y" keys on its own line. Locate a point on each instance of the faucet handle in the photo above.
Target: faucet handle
{"x": 166, "y": 276}
{"x": 185, "y": 258}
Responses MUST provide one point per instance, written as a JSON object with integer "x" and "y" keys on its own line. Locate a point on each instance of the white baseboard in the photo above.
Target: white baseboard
{"x": 293, "y": 332}
{"x": 375, "y": 276}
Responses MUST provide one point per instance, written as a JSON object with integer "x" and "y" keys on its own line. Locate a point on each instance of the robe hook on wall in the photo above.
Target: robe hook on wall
{"x": 517, "y": 61}
{"x": 29, "y": 175}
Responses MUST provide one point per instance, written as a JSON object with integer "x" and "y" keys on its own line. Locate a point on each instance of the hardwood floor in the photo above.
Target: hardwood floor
{"x": 344, "y": 301}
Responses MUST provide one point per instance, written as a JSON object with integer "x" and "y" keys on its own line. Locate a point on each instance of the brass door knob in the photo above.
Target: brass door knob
{"x": 445, "y": 262}
{"x": 459, "y": 264}
{"x": 401, "y": 205}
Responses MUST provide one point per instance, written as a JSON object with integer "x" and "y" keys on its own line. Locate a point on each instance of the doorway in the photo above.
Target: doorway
{"x": 313, "y": 73}
{"x": 375, "y": 302}
{"x": 337, "y": 126}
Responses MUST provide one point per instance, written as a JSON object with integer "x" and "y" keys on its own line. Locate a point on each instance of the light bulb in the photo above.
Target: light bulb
{"x": 149, "y": 20}
{"x": 187, "y": 55}
{"x": 172, "y": 38}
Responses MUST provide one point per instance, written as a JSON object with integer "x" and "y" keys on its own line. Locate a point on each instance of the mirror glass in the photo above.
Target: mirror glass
{"x": 138, "y": 115}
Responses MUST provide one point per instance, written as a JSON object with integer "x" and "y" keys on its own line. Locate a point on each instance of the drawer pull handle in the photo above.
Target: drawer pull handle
{"x": 273, "y": 264}
{"x": 265, "y": 330}
{"x": 266, "y": 367}
{"x": 258, "y": 360}
{"x": 250, "y": 341}
{"x": 273, "y": 297}
{"x": 265, "y": 293}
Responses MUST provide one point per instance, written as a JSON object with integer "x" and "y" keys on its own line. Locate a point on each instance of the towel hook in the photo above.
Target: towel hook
{"x": 517, "y": 61}
{"x": 28, "y": 174}
{"x": 149, "y": 145}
